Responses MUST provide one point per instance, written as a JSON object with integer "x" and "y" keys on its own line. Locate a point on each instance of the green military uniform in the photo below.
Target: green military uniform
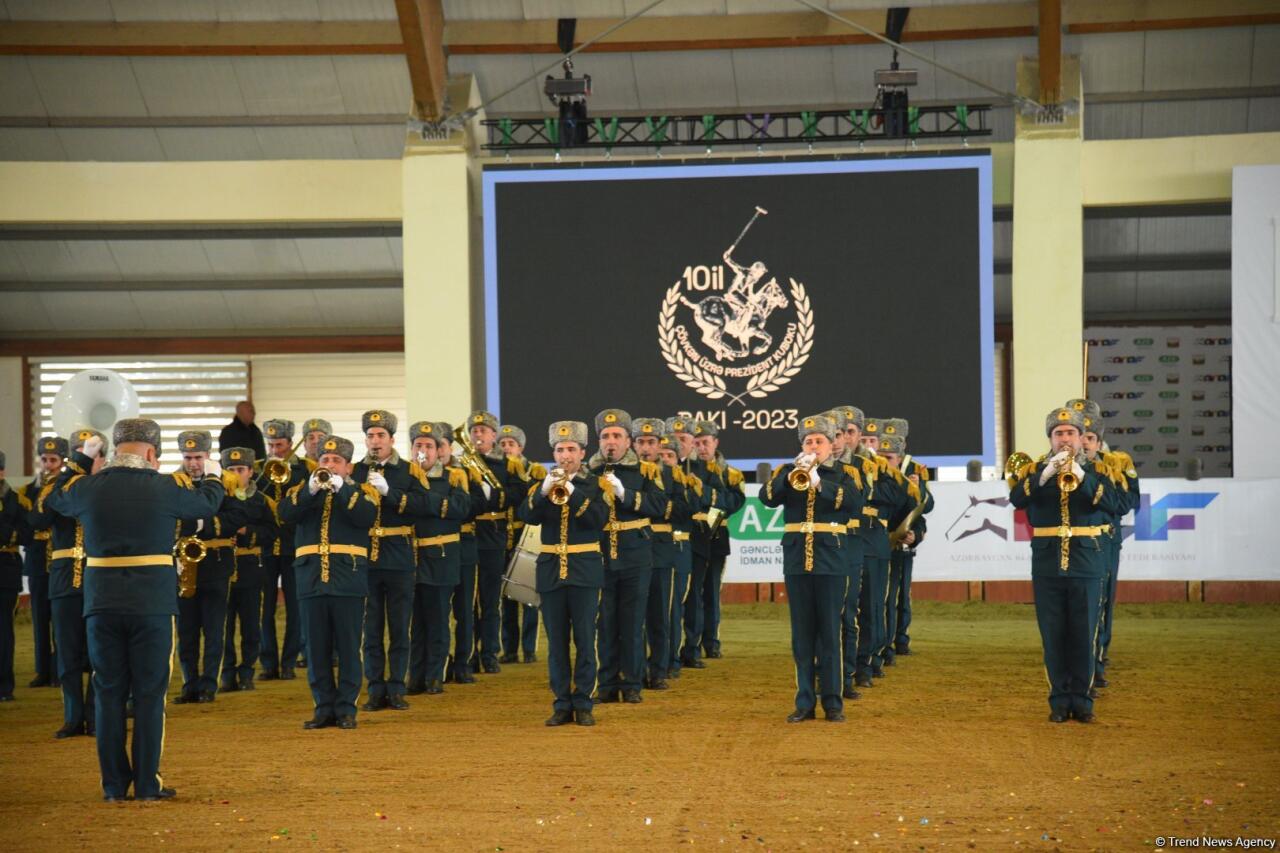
{"x": 637, "y": 501}
{"x": 463, "y": 600}
{"x": 244, "y": 605}
{"x": 682, "y": 526}
{"x": 278, "y": 655}
{"x": 332, "y": 563}
{"x": 862, "y": 472}
{"x": 519, "y": 621}
{"x": 816, "y": 570}
{"x": 66, "y": 600}
{"x": 202, "y": 603}
{"x": 570, "y": 575}
{"x": 1069, "y": 555}
{"x": 129, "y": 512}
{"x": 36, "y": 564}
{"x": 439, "y": 548}
{"x": 393, "y": 567}
{"x": 722, "y": 485}
{"x": 10, "y": 579}
{"x": 902, "y": 558}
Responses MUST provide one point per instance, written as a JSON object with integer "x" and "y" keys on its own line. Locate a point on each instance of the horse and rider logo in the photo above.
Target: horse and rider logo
{"x": 732, "y": 340}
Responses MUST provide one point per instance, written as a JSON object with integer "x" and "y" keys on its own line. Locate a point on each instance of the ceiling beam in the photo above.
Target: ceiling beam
{"x": 245, "y": 231}
{"x": 650, "y": 33}
{"x": 1050, "y": 39}
{"x": 207, "y": 284}
{"x": 422, "y": 33}
{"x": 264, "y": 344}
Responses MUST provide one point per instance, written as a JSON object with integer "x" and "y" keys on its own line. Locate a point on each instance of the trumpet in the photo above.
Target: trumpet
{"x": 324, "y": 477}
{"x": 799, "y": 476}
{"x": 558, "y": 494}
{"x": 1067, "y": 480}
{"x": 471, "y": 458}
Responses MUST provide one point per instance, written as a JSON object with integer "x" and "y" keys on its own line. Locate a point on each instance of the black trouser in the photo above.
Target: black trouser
{"x": 429, "y": 638}
{"x": 131, "y": 657}
{"x": 202, "y": 615}
{"x": 8, "y": 607}
{"x": 657, "y": 622}
{"x": 489, "y": 571}
{"x": 519, "y": 628}
{"x": 245, "y": 605}
{"x": 280, "y": 575}
{"x": 871, "y": 606}
{"x": 1067, "y": 613}
{"x": 73, "y": 660}
{"x": 702, "y": 608}
{"x": 675, "y": 623}
{"x": 464, "y": 619}
{"x": 1106, "y": 614}
{"x": 898, "y": 611}
{"x": 390, "y": 605}
{"x": 570, "y": 611}
{"x": 815, "y": 602}
{"x": 621, "y": 629}
{"x": 42, "y": 625}
{"x": 333, "y": 627}
{"x": 850, "y": 627}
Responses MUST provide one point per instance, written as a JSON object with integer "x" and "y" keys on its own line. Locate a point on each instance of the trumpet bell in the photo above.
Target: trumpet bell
{"x": 95, "y": 398}
{"x": 1015, "y": 463}
{"x": 324, "y": 476}
{"x": 799, "y": 479}
{"x": 277, "y": 471}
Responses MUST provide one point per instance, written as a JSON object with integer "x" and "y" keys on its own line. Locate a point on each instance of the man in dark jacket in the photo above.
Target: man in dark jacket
{"x": 243, "y": 432}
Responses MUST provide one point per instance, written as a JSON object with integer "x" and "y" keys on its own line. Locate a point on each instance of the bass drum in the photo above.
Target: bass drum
{"x": 521, "y": 580}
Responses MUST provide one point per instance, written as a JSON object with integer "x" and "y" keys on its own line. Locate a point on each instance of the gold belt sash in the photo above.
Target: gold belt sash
{"x": 662, "y": 528}
{"x": 130, "y": 561}
{"x": 854, "y": 523}
{"x": 633, "y": 524}
{"x": 680, "y": 535}
{"x": 381, "y": 532}
{"x": 870, "y": 511}
{"x": 353, "y": 550}
{"x": 219, "y": 543}
{"x": 249, "y": 552}
{"x": 816, "y": 527}
{"x": 492, "y": 516}
{"x": 438, "y": 540}
{"x": 9, "y": 549}
{"x": 67, "y": 554}
{"x": 43, "y": 535}
{"x": 469, "y": 527}
{"x": 1068, "y": 532}
{"x": 584, "y": 548}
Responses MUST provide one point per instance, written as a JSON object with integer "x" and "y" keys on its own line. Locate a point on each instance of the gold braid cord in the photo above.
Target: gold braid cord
{"x": 808, "y": 537}
{"x": 377, "y": 525}
{"x": 607, "y": 488}
{"x": 1065, "y": 536}
{"x": 324, "y": 538}
{"x": 564, "y": 541}
{"x": 77, "y": 562}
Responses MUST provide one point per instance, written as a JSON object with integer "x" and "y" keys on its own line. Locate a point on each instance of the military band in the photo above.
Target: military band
{"x": 253, "y": 538}
{"x": 519, "y": 621}
{"x": 282, "y": 470}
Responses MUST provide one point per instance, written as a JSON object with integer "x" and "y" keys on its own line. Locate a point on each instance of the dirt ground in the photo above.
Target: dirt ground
{"x": 951, "y": 750}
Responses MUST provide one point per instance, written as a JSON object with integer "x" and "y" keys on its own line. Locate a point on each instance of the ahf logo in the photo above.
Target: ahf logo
{"x": 1151, "y": 521}
{"x": 735, "y": 326}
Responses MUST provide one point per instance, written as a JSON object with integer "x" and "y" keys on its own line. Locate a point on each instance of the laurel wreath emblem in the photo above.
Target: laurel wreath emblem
{"x": 760, "y": 385}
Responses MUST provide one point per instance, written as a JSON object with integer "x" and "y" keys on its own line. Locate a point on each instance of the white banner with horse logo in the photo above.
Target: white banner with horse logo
{"x": 1211, "y": 529}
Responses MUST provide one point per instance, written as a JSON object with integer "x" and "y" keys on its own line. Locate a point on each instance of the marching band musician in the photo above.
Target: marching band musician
{"x": 1068, "y": 506}
{"x": 677, "y": 450}
{"x": 253, "y": 538}
{"x": 128, "y": 512}
{"x": 572, "y": 509}
{"x": 66, "y": 598}
{"x": 333, "y": 516}
{"x": 1118, "y": 467}
{"x": 638, "y": 499}
{"x": 393, "y": 559}
{"x": 519, "y": 621}
{"x": 10, "y": 580}
{"x": 902, "y": 558}
{"x": 438, "y": 539}
{"x": 279, "y": 659}
{"x": 315, "y": 431}
{"x": 818, "y": 498}
{"x": 202, "y": 601}
{"x": 463, "y": 601}
{"x": 646, "y": 435}
{"x": 843, "y": 449}
{"x": 51, "y": 453}
{"x": 491, "y": 538}
{"x": 723, "y": 488}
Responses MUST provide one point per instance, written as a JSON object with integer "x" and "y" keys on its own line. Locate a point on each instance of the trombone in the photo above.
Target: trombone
{"x": 471, "y": 458}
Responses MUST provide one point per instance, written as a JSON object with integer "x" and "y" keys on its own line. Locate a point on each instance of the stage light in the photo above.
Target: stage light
{"x": 569, "y": 94}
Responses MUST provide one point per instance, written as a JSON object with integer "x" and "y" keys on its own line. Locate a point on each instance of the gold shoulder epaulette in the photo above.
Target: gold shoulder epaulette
{"x": 922, "y": 471}
{"x": 852, "y": 471}
{"x": 537, "y": 471}
{"x": 913, "y": 490}
{"x": 24, "y": 501}
{"x": 66, "y": 487}
{"x": 713, "y": 468}
{"x": 457, "y": 478}
{"x": 230, "y": 482}
{"x": 678, "y": 477}
{"x": 870, "y": 468}
{"x": 311, "y": 464}
{"x": 735, "y": 477}
{"x": 515, "y": 466}
{"x": 181, "y": 478}
{"x": 777, "y": 469}
{"x": 416, "y": 472}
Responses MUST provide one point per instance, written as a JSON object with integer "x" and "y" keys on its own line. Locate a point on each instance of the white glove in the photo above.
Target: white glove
{"x": 1050, "y": 471}
{"x": 336, "y": 482}
{"x": 1077, "y": 470}
{"x": 568, "y": 486}
{"x": 313, "y": 485}
{"x": 211, "y": 468}
{"x": 814, "y": 479}
{"x": 379, "y": 482}
{"x": 199, "y": 524}
{"x": 618, "y": 488}
{"x": 1061, "y": 459}
{"x": 92, "y": 447}
{"x": 547, "y": 482}
{"x": 801, "y": 457}
{"x": 486, "y": 488}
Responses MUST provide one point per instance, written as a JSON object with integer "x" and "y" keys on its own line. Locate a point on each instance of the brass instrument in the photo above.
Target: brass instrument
{"x": 324, "y": 477}
{"x": 558, "y": 494}
{"x": 471, "y": 459}
{"x": 190, "y": 551}
{"x": 799, "y": 476}
{"x": 1015, "y": 463}
{"x": 277, "y": 470}
{"x": 1067, "y": 480}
